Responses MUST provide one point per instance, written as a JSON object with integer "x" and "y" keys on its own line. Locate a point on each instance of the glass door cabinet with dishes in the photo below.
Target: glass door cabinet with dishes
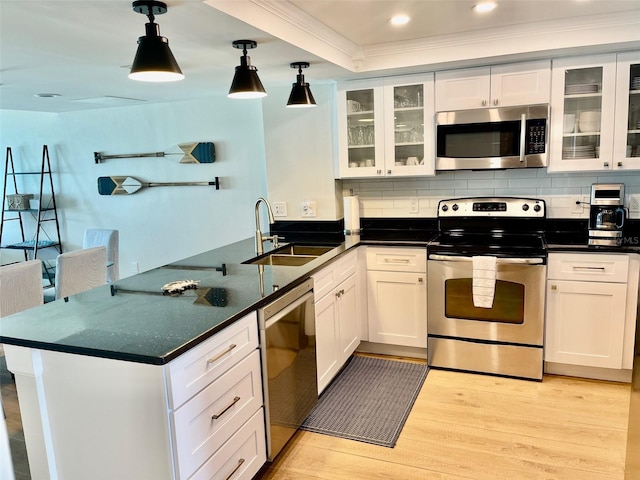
{"x": 593, "y": 115}
{"x": 385, "y": 128}
{"x": 626, "y": 149}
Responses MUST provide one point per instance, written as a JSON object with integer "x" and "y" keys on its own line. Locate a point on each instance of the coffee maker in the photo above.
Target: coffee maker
{"x": 607, "y": 215}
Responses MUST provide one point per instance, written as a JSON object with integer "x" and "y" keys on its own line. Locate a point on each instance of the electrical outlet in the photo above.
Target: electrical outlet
{"x": 575, "y": 203}
{"x": 414, "y": 205}
{"x": 279, "y": 209}
{"x": 309, "y": 209}
{"x": 634, "y": 203}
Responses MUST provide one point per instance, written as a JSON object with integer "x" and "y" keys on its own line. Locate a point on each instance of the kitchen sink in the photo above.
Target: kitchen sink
{"x": 293, "y": 255}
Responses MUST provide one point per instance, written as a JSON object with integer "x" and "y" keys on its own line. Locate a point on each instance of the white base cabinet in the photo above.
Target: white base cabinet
{"x": 89, "y": 417}
{"x": 397, "y": 296}
{"x": 338, "y": 316}
{"x": 591, "y": 312}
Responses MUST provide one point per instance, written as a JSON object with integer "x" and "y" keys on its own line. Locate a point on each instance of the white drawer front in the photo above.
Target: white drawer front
{"x": 330, "y": 277}
{"x": 241, "y": 457}
{"x": 191, "y": 372}
{"x": 397, "y": 259}
{"x": 204, "y": 423}
{"x": 346, "y": 266}
{"x": 323, "y": 282}
{"x": 588, "y": 267}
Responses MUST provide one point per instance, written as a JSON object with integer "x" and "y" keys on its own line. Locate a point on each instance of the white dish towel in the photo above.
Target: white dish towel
{"x": 484, "y": 281}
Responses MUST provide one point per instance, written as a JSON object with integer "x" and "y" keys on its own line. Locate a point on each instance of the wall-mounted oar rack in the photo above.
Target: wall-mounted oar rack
{"x": 123, "y": 185}
{"x": 199, "y": 152}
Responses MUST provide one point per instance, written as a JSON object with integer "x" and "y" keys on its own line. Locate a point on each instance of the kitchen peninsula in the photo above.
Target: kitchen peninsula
{"x": 99, "y": 389}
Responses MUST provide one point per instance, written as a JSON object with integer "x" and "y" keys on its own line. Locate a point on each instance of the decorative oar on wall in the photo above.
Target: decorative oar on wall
{"x": 201, "y": 152}
{"x": 127, "y": 185}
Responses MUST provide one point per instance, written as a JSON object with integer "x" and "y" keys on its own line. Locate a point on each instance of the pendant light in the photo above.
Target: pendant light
{"x": 246, "y": 83}
{"x": 154, "y": 61}
{"x": 301, "y": 96}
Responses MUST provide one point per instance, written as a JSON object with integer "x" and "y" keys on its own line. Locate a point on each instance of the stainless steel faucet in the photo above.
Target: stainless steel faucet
{"x": 260, "y": 238}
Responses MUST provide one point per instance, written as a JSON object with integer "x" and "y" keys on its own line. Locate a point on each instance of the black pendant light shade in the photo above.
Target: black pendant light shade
{"x": 301, "y": 96}
{"x": 246, "y": 83}
{"x": 154, "y": 61}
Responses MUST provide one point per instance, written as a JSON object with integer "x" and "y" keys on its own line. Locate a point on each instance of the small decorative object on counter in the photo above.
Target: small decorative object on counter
{"x": 123, "y": 185}
{"x": 200, "y": 152}
{"x": 19, "y": 201}
{"x": 179, "y": 286}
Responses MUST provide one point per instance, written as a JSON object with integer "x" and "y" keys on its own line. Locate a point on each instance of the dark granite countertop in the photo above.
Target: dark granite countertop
{"x": 139, "y": 324}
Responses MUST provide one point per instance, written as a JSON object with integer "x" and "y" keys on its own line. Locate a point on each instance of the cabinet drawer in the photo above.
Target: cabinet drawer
{"x": 330, "y": 277}
{"x": 202, "y": 425}
{"x": 397, "y": 259}
{"x": 588, "y": 267}
{"x": 191, "y": 372}
{"x": 241, "y": 457}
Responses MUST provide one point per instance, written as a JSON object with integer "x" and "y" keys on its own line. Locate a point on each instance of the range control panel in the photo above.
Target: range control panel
{"x": 506, "y": 207}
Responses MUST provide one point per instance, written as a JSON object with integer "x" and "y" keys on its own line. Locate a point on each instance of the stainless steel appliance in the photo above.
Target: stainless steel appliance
{"x": 504, "y": 337}
{"x": 485, "y": 138}
{"x": 288, "y": 348}
{"x": 607, "y": 214}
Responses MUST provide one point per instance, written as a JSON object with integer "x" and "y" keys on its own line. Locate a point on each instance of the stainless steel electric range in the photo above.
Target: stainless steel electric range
{"x": 486, "y": 287}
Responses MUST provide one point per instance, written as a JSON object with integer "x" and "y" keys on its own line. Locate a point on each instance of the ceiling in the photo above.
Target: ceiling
{"x": 82, "y": 50}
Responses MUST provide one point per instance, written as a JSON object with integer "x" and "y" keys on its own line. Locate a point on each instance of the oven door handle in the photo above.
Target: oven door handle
{"x": 500, "y": 261}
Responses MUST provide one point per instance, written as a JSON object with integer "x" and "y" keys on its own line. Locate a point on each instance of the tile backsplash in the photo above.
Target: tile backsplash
{"x": 397, "y": 197}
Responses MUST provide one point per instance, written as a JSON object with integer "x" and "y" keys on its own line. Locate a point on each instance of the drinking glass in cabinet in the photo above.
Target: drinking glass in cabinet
{"x": 633, "y": 134}
{"x": 408, "y": 96}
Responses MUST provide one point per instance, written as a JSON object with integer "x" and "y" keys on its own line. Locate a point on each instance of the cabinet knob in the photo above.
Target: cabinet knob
{"x": 389, "y": 172}
{"x": 379, "y": 172}
{"x": 484, "y": 103}
{"x": 495, "y": 102}
{"x": 606, "y": 164}
{"x": 554, "y": 287}
{"x": 620, "y": 164}
{"x": 420, "y": 280}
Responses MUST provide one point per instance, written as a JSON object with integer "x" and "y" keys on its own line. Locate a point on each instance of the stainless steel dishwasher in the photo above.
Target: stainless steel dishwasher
{"x": 289, "y": 372}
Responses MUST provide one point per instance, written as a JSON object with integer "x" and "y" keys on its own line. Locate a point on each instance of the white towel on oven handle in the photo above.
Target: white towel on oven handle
{"x": 484, "y": 280}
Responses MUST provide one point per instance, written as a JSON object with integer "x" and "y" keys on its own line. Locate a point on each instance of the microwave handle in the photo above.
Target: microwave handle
{"x": 523, "y": 135}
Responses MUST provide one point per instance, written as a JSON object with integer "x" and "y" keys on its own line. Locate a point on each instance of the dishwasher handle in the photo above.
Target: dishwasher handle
{"x": 286, "y": 310}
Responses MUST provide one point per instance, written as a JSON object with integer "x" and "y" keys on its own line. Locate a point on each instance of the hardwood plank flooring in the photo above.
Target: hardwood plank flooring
{"x": 482, "y": 427}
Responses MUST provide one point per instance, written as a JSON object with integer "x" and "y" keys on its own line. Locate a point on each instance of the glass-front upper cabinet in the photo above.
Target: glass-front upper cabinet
{"x": 626, "y": 149}
{"x": 385, "y": 127}
{"x": 582, "y": 113}
{"x": 409, "y": 114}
{"x": 361, "y": 129}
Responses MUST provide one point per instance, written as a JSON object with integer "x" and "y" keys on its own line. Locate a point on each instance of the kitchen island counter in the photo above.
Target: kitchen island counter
{"x": 132, "y": 320}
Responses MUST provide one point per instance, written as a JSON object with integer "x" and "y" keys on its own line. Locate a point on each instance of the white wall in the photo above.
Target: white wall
{"x": 157, "y": 225}
{"x": 300, "y": 148}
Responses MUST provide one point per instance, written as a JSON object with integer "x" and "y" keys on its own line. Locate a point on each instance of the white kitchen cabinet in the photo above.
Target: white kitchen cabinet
{"x": 626, "y": 148}
{"x": 338, "y": 316}
{"x": 591, "y": 312}
{"x": 171, "y": 432}
{"x": 397, "y": 296}
{"x": 385, "y": 127}
{"x": 582, "y": 113}
{"x": 525, "y": 83}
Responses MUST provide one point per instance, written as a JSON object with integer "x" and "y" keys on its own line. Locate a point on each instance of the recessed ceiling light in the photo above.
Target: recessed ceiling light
{"x": 399, "y": 20}
{"x": 484, "y": 7}
{"x": 46, "y": 95}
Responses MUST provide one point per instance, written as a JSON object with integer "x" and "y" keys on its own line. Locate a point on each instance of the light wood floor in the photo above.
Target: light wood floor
{"x": 481, "y": 427}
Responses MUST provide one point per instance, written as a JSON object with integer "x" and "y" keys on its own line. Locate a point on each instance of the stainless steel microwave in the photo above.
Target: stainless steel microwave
{"x": 505, "y": 137}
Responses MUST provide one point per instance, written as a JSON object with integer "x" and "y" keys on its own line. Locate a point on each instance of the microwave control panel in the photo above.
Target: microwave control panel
{"x": 536, "y": 136}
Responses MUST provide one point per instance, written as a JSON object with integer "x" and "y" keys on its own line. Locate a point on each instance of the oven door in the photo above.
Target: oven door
{"x": 506, "y": 339}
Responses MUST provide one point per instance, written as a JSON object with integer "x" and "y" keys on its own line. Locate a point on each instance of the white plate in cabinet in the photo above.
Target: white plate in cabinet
{"x": 241, "y": 457}
{"x": 589, "y": 267}
{"x": 397, "y": 259}
{"x": 204, "y": 423}
{"x": 194, "y": 370}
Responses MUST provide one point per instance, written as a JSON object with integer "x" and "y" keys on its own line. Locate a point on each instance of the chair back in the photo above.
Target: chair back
{"x": 20, "y": 287}
{"x": 80, "y": 270}
{"x": 95, "y": 237}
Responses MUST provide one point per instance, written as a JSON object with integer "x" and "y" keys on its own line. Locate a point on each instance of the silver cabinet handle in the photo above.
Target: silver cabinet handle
{"x": 554, "y": 287}
{"x": 222, "y": 354}
{"x": 606, "y": 164}
{"x": 495, "y": 102}
{"x": 396, "y": 260}
{"x": 619, "y": 164}
{"x": 389, "y": 172}
{"x": 235, "y": 400}
{"x": 576, "y": 267}
{"x": 240, "y": 462}
{"x": 484, "y": 103}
